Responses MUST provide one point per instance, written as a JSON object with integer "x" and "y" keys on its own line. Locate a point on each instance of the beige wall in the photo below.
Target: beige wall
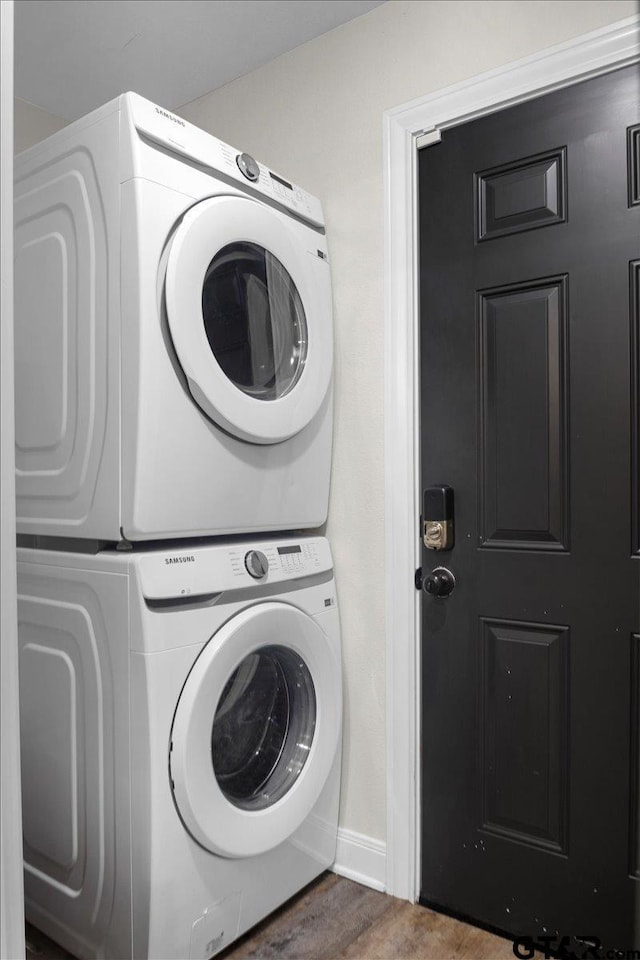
{"x": 31, "y": 124}
{"x": 315, "y": 115}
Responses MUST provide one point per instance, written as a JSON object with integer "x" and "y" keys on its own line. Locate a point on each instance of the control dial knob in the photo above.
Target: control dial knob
{"x": 248, "y": 166}
{"x": 257, "y": 564}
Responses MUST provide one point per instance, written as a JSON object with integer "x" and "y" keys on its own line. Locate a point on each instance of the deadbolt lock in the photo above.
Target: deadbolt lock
{"x": 437, "y": 527}
{"x": 437, "y": 534}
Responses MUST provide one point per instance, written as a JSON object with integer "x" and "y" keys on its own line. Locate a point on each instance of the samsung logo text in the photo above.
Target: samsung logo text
{"x": 170, "y": 116}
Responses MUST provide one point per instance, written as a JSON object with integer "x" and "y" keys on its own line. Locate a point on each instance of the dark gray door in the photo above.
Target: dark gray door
{"x": 530, "y": 285}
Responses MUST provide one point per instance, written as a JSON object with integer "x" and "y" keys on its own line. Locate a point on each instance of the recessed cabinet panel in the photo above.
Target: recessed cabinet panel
{"x": 524, "y": 709}
{"x": 67, "y": 750}
{"x": 46, "y": 287}
{"x": 522, "y": 195}
{"x": 52, "y": 733}
{"x": 523, "y": 417}
{"x": 633, "y": 164}
{"x": 60, "y": 249}
{"x": 66, "y": 270}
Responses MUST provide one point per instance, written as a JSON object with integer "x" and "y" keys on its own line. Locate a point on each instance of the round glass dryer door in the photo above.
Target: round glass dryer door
{"x": 249, "y": 310}
{"x": 256, "y": 730}
{"x": 254, "y": 320}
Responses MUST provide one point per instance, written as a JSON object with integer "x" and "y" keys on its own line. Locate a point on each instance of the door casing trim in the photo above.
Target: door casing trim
{"x": 599, "y": 51}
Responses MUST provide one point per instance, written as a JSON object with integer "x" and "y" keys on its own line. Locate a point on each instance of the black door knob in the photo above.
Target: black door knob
{"x": 439, "y": 583}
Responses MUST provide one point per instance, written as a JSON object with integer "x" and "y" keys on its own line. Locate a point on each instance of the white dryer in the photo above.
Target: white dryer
{"x": 181, "y": 741}
{"x": 173, "y": 335}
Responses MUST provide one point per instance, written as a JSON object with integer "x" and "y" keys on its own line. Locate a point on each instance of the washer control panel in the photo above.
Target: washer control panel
{"x": 299, "y": 557}
{"x": 279, "y": 561}
{"x": 184, "y": 572}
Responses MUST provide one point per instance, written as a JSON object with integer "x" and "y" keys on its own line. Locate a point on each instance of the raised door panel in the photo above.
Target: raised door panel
{"x": 634, "y": 780}
{"x": 523, "y": 418}
{"x": 634, "y": 318}
{"x": 524, "y": 718}
{"x": 521, "y": 195}
{"x": 633, "y": 164}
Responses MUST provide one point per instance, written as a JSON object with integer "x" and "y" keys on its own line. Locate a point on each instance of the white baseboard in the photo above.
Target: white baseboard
{"x": 361, "y": 858}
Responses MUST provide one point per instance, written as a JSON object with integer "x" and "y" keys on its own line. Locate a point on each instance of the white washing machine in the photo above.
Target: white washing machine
{"x": 173, "y": 334}
{"x": 181, "y": 741}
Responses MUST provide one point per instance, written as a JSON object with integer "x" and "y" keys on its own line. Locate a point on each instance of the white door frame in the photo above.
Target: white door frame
{"x": 406, "y": 128}
{"x": 11, "y": 896}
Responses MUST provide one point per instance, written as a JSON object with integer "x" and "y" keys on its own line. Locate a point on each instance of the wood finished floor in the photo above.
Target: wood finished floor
{"x": 336, "y": 919}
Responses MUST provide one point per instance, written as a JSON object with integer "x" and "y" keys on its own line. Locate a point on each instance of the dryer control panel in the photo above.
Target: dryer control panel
{"x": 185, "y": 572}
{"x": 183, "y": 138}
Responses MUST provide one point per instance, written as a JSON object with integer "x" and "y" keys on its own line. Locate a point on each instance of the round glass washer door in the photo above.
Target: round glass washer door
{"x": 256, "y": 730}
{"x": 263, "y": 727}
{"x": 249, "y": 311}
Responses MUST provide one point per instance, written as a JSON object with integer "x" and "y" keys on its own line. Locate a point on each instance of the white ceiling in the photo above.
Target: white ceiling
{"x": 73, "y": 55}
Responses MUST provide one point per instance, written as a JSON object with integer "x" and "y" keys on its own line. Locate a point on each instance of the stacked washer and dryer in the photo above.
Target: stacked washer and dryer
{"x": 180, "y": 666}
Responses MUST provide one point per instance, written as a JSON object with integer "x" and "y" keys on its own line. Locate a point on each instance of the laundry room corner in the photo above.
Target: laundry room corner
{"x": 32, "y": 124}
{"x": 315, "y": 114}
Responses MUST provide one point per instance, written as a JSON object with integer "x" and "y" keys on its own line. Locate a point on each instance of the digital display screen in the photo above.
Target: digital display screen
{"x": 280, "y": 180}
{"x": 294, "y": 549}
